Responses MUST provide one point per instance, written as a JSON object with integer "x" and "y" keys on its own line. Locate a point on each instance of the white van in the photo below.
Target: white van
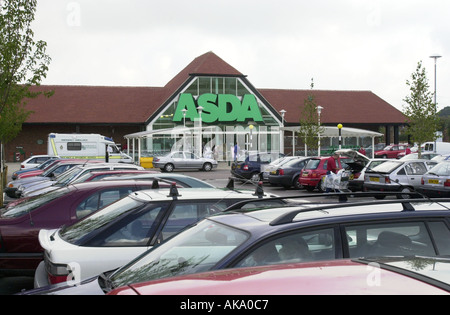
{"x": 442, "y": 148}
{"x": 85, "y": 146}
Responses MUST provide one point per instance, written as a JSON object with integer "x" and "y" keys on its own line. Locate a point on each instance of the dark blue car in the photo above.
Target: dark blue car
{"x": 248, "y": 167}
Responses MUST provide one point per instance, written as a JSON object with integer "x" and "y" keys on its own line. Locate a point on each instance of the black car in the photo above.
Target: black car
{"x": 248, "y": 167}
{"x": 287, "y": 175}
{"x": 307, "y": 232}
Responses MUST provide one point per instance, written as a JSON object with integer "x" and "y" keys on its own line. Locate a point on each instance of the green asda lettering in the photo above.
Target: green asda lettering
{"x": 218, "y": 108}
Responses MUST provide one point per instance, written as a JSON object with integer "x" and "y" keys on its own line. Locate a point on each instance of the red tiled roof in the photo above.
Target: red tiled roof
{"x": 134, "y": 105}
{"x": 338, "y": 106}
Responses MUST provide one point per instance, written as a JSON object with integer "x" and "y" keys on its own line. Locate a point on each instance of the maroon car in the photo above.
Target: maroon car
{"x": 20, "y": 224}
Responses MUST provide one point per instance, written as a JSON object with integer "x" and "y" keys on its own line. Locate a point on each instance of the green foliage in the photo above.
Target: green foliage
{"x": 420, "y": 109}
{"x": 309, "y": 122}
{"x": 23, "y": 63}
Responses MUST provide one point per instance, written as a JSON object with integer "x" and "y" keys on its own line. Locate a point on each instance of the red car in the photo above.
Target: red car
{"x": 338, "y": 277}
{"x": 20, "y": 224}
{"x": 311, "y": 176}
{"x": 391, "y": 151}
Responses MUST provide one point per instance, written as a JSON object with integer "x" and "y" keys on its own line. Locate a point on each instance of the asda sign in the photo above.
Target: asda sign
{"x": 218, "y": 108}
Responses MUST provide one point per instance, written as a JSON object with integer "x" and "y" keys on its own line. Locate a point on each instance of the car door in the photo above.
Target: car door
{"x": 192, "y": 161}
{"x": 178, "y": 160}
{"x": 414, "y": 172}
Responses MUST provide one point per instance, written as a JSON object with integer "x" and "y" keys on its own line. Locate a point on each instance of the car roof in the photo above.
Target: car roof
{"x": 161, "y": 193}
{"x": 306, "y": 212}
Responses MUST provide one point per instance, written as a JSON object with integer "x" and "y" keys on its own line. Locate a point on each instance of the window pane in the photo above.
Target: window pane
{"x": 441, "y": 235}
{"x": 307, "y": 246}
{"x": 391, "y": 239}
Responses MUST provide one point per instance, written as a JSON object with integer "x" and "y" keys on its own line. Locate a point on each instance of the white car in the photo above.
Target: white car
{"x": 397, "y": 176}
{"x": 70, "y": 176}
{"x": 34, "y": 161}
{"x": 116, "y": 234}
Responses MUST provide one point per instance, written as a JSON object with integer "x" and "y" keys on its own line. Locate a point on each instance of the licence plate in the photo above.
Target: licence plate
{"x": 433, "y": 181}
{"x": 273, "y": 172}
{"x": 374, "y": 179}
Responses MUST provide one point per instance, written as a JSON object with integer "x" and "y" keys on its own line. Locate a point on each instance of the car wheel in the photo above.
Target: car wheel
{"x": 255, "y": 177}
{"x": 321, "y": 185}
{"x": 168, "y": 168}
{"x": 207, "y": 167}
{"x": 405, "y": 190}
{"x": 296, "y": 183}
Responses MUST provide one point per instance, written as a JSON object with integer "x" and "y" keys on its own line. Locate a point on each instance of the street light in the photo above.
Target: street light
{"x": 319, "y": 111}
{"x": 340, "y": 137}
{"x": 200, "y": 109}
{"x": 282, "y": 112}
{"x": 184, "y": 110}
{"x": 435, "y": 57}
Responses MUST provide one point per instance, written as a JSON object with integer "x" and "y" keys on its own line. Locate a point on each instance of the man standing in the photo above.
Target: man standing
{"x": 332, "y": 163}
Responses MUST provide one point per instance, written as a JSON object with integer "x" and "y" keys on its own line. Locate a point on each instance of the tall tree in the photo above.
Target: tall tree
{"x": 23, "y": 64}
{"x": 309, "y": 122}
{"x": 420, "y": 109}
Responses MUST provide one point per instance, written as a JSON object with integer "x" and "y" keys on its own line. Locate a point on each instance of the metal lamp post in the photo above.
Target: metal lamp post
{"x": 435, "y": 57}
{"x": 200, "y": 109}
{"x": 282, "y": 112}
{"x": 340, "y": 135}
{"x": 319, "y": 111}
{"x": 184, "y": 110}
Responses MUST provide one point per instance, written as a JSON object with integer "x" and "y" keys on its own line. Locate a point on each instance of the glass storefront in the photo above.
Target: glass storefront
{"x": 209, "y": 117}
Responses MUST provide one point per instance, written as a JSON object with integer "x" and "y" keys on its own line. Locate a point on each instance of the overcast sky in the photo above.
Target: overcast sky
{"x": 370, "y": 45}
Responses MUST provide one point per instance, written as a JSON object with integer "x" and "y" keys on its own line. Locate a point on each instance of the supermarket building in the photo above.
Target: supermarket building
{"x": 209, "y": 104}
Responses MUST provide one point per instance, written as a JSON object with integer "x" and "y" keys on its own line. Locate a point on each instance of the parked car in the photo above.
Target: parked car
{"x": 40, "y": 168}
{"x": 59, "y": 167}
{"x": 183, "y": 160}
{"x": 316, "y": 168}
{"x": 436, "y": 182}
{"x": 390, "y": 151}
{"x": 248, "y": 167}
{"x": 21, "y": 221}
{"x": 399, "y": 276}
{"x": 415, "y": 156}
{"x": 397, "y": 176}
{"x": 266, "y": 169}
{"x": 68, "y": 177}
{"x": 118, "y": 233}
{"x": 354, "y": 168}
{"x": 287, "y": 174}
{"x": 242, "y": 238}
{"x": 34, "y": 161}
{"x": 357, "y": 184}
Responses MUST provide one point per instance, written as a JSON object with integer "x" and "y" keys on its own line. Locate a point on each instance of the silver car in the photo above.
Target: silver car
{"x": 397, "y": 176}
{"x": 436, "y": 182}
{"x": 183, "y": 160}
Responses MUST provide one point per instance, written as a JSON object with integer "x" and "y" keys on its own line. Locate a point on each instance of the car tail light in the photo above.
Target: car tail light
{"x": 422, "y": 182}
{"x": 155, "y": 159}
{"x": 280, "y": 171}
{"x": 245, "y": 167}
{"x": 387, "y": 179}
{"x": 56, "y": 273}
{"x": 447, "y": 183}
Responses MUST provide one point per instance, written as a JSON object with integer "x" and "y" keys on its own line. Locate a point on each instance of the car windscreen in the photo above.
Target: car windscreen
{"x": 33, "y": 203}
{"x": 386, "y": 167}
{"x": 196, "y": 249}
{"x": 75, "y": 232}
{"x": 65, "y": 177}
